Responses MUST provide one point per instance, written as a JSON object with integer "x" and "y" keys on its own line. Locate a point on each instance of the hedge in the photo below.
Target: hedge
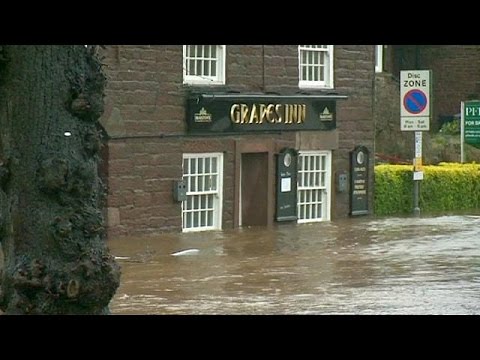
{"x": 445, "y": 187}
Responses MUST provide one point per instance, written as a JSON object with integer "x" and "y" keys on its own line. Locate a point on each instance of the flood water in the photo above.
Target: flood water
{"x": 428, "y": 265}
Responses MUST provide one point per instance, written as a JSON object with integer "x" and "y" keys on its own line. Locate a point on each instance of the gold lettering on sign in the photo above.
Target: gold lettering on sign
{"x": 271, "y": 113}
{"x": 235, "y": 113}
{"x": 303, "y": 114}
{"x": 263, "y": 113}
{"x": 270, "y": 117}
{"x": 288, "y": 114}
{"x": 295, "y": 114}
{"x": 244, "y": 113}
{"x": 253, "y": 115}
{"x": 278, "y": 110}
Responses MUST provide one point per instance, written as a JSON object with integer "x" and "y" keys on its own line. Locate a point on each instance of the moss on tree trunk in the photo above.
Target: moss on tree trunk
{"x": 51, "y": 225}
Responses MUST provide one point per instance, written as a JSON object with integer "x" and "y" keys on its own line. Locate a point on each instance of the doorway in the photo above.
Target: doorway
{"x": 254, "y": 189}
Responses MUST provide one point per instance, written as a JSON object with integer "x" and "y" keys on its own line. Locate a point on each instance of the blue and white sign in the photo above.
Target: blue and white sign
{"x": 415, "y": 100}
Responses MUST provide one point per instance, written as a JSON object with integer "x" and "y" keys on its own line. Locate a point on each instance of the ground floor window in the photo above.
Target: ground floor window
{"x": 203, "y": 174}
{"x": 314, "y": 177}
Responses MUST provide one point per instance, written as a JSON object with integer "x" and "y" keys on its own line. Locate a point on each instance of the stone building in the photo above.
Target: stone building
{"x": 455, "y": 77}
{"x": 212, "y": 137}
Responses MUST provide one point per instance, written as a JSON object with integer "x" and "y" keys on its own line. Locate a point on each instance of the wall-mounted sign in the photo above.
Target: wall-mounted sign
{"x": 359, "y": 160}
{"x": 228, "y": 113}
{"x": 286, "y": 209}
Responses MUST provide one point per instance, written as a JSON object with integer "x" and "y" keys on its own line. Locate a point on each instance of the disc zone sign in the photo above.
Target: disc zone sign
{"x": 415, "y": 100}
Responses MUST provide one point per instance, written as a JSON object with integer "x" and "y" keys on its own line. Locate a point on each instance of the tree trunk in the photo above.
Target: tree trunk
{"x": 51, "y": 225}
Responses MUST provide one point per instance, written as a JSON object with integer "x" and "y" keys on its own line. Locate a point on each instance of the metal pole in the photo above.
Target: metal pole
{"x": 462, "y": 132}
{"x": 416, "y": 167}
{"x": 416, "y": 196}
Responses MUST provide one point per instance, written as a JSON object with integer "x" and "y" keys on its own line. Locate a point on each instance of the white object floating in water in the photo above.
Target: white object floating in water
{"x": 122, "y": 257}
{"x": 67, "y": 133}
{"x": 186, "y": 252}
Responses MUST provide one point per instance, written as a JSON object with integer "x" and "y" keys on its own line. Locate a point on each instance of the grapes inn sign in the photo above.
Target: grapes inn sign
{"x": 233, "y": 113}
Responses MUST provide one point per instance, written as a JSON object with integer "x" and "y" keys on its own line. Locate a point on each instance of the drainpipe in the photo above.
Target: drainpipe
{"x": 263, "y": 68}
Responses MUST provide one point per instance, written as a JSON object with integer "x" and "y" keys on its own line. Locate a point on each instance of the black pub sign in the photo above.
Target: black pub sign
{"x": 359, "y": 160}
{"x": 286, "y": 204}
{"x": 234, "y": 113}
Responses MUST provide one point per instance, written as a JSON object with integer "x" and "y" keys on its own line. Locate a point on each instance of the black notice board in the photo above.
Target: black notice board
{"x": 359, "y": 185}
{"x": 286, "y": 204}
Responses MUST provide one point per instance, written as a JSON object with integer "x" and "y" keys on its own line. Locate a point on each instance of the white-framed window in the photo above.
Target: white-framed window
{"x": 203, "y": 174}
{"x": 204, "y": 64}
{"x": 315, "y": 63}
{"x": 378, "y": 58}
{"x": 314, "y": 178}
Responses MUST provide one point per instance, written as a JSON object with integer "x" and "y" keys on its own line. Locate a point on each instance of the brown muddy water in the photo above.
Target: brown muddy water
{"x": 427, "y": 265}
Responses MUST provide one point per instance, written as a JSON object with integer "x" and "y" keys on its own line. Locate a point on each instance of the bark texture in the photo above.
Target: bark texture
{"x": 52, "y": 229}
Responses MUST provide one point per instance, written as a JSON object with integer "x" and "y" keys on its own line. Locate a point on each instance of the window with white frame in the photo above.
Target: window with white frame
{"x": 203, "y": 174}
{"x": 314, "y": 173}
{"x": 378, "y": 58}
{"x": 204, "y": 64}
{"x": 315, "y": 66}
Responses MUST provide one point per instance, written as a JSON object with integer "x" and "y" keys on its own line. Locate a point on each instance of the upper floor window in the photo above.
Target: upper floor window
{"x": 315, "y": 66}
{"x": 204, "y": 64}
{"x": 378, "y": 58}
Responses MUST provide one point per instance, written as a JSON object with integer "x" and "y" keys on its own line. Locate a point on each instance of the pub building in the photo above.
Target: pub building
{"x": 214, "y": 137}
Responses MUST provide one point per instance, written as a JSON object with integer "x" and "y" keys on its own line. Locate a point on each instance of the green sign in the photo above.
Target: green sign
{"x": 472, "y": 123}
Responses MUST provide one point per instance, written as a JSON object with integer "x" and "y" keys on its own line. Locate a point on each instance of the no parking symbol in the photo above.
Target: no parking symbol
{"x": 415, "y": 101}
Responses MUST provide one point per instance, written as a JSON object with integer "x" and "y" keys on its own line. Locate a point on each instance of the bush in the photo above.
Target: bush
{"x": 445, "y": 187}
{"x": 451, "y": 127}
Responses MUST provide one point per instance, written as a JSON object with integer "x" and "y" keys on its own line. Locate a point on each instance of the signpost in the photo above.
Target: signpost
{"x": 415, "y": 116}
{"x": 470, "y": 125}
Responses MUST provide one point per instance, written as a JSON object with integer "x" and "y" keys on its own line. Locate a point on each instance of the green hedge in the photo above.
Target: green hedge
{"x": 445, "y": 187}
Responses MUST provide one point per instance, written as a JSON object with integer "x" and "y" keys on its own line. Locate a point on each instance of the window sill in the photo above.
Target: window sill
{"x": 315, "y": 87}
{"x": 203, "y": 82}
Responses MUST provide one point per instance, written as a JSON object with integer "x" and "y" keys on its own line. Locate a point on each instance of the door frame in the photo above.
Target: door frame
{"x": 245, "y": 146}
